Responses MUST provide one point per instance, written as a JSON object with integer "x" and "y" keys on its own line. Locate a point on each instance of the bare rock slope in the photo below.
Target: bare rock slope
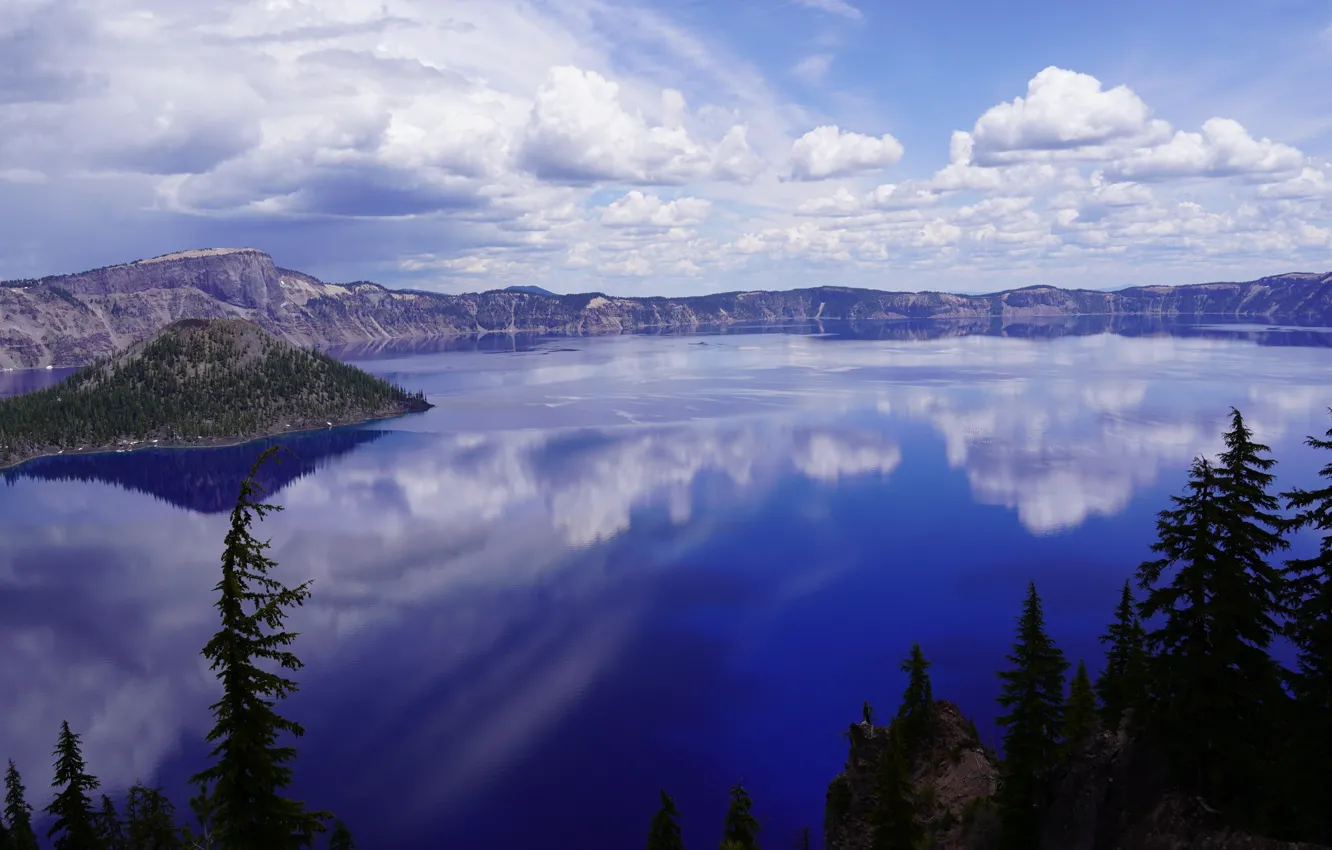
{"x": 68, "y": 320}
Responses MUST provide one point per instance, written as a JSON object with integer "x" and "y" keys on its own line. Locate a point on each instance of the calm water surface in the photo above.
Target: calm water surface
{"x": 602, "y": 567}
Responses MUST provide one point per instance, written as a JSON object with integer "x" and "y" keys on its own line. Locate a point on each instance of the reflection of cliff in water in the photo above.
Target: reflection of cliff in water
{"x": 1035, "y": 327}
{"x": 203, "y": 480}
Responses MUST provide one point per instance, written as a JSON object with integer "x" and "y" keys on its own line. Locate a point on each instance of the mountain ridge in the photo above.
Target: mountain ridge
{"x": 72, "y": 319}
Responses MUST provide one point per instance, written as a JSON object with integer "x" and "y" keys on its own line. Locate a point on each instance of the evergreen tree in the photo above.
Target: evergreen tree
{"x": 742, "y": 828}
{"x": 1033, "y": 694}
{"x": 74, "y": 827}
{"x": 340, "y": 838}
{"x": 1217, "y": 693}
{"x": 867, "y": 713}
{"x": 664, "y": 833}
{"x": 18, "y": 814}
{"x": 1122, "y": 682}
{"x": 107, "y": 825}
{"x": 243, "y": 786}
{"x": 1309, "y": 599}
{"x": 150, "y": 820}
{"x": 917, "y": 709}
{"x": 4, "y": 835}
{"x": 1080, "y": 711}
{"x": 894, "y": 819}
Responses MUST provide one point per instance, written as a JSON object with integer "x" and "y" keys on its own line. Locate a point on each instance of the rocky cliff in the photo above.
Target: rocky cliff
{"x": 68, "y": 320}
{"x": 1111, "y": 795}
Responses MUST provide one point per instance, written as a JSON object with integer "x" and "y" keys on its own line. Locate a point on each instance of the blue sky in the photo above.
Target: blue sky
{"x": 673, "y": 148}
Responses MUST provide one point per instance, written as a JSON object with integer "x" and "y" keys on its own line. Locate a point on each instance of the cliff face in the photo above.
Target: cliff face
{"x": 954, "y": 776}
{"x": 1113, "y": 796}
{"x": 69, "y": 319}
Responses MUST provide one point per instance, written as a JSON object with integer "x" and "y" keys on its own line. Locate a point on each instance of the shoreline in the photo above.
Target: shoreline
{"x": 212, "y": 443}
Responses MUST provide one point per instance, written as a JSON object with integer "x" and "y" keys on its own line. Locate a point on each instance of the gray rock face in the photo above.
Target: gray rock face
{"x": 70, "y": 319}
{"x": 1113, "y": 796}
{"x": 953, "y": 775}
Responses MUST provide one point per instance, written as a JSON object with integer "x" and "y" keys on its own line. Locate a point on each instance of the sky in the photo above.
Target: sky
{"x": 672, "y": 148}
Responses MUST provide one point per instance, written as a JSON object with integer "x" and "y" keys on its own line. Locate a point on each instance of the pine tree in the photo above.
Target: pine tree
{"x": 107, "y": 825}
{"x": 1217, "y": 692}
{"x": 894, "y": 818}
{"x": 742, "y": 828}
{"x": 150, "y": 820}
{"x": 1309, "y": 599}
{"x": 340, "y": 838}
{"x": 18, "y": 814}
{"x": 1122, "y": 682}
{"x": 867, "y": 713}
{"x": 243, "y": 786}
{"x": 1033, "y": 694}
{"x": 1080, "y": 711}
{"x": 917, "y": 709}
{"x": 4, "y": 834}
{"x": 664, "y": 832}
{"x": 74, "y": 827}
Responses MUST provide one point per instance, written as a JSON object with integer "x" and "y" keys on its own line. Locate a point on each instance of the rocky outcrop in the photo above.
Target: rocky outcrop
{"x": 70, "y": 319}
{"x": 1113, "y": 795}
{"x": 953, "y": 774}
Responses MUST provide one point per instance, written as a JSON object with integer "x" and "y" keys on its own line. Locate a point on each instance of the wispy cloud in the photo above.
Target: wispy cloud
{"x": 834, "y": 7}
{"x": 812, "y": 69}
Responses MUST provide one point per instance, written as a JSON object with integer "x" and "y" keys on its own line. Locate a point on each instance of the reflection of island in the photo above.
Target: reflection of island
{"x": 204, "y": 480}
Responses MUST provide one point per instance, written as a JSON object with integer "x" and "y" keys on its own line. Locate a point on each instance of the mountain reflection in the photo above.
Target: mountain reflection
{"x": 203, "y": 480}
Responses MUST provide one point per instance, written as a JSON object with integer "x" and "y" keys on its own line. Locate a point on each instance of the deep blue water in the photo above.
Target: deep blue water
{"x": 602, "y": 567}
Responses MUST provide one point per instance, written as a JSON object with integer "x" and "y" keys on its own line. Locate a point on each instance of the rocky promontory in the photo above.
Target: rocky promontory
{"x": 1111, "y": 794}
{"x": 69, "y": 320}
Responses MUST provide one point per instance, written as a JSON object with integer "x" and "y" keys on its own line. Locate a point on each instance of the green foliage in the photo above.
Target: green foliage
{"x": 150, "y": 820}
{"x": 917, "y": 710}
{"x": 243, "y": 808}
{"x": 1124, "y": 678}
{"x": 340, "y": 838}
{"x": 1033, "y": 694}
{"x": 741, "y": 829}
{"x": 1080, "y": 710}
{"x": 197, "y": 380}
{"x": 18, "y": 814}
{"x": 1216, "y": 694}
{"x": 74, "y": 827}
{"x": 894, "y": 820}
{"x": 664, "y": 832}
{"x": 1309, "y": 600}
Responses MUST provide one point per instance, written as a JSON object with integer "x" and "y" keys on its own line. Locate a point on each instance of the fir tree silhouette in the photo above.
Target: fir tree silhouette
{"x": 243, "y": 804}
{"x": 74, "y": 827}
{"x": 664, "y": 832}
{"x": 1122, "y": 681}
{"x": 1033, "y": 694}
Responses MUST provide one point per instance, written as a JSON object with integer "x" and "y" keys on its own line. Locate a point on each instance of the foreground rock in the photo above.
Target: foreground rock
{"x": 954, "y": 776}
{"x": 71, "y": 319}
{"x": 1113, "y": 794}
{"x": 198, "y": 382}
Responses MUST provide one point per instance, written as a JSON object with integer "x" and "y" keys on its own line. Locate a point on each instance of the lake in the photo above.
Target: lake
{"x": 604, "y": 566}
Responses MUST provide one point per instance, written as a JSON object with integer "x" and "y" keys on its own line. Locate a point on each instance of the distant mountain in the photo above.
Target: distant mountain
{"x": 530, "y": 290}
{"x": 71, "y": 319}
{"x": 196, "y": 382}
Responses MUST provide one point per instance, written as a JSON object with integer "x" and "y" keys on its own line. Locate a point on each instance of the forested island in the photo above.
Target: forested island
{"x": 197, "y": 382}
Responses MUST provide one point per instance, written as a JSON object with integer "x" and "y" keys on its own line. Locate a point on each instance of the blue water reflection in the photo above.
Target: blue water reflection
{"x": 600, "y": 567}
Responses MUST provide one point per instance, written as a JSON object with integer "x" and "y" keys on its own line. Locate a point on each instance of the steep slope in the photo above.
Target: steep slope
{"x": 199, "y": 381}
{"x": 72, "y": 319}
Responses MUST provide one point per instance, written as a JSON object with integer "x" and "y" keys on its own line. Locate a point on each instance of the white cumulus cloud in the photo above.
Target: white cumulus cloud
{"x": 1223, "y": 148}
{"x": 830, "y": 151}
{"x": 639, "y": 210}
